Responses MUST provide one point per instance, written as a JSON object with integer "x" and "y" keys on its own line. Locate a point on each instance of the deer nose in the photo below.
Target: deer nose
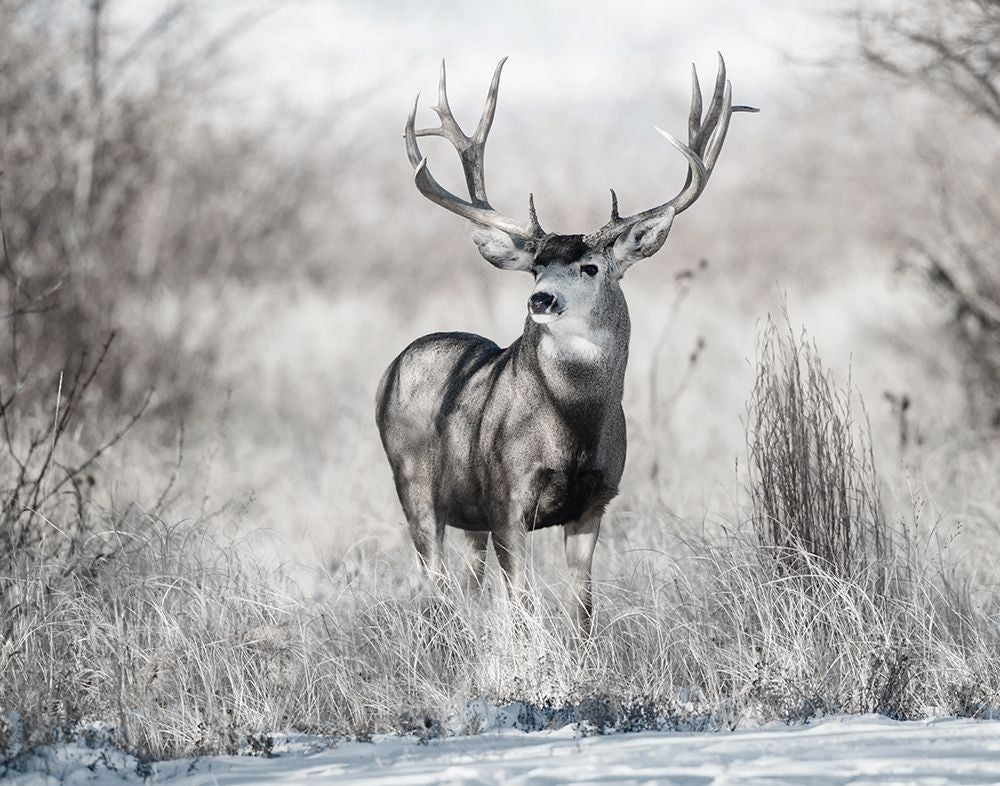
{"x": 540, "y": 302}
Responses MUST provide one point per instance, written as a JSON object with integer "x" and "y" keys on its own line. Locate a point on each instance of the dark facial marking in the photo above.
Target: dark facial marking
{"x": 560, "y": 250}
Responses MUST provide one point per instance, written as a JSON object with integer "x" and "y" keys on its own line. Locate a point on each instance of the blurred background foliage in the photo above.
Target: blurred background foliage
{"x": 225, "y": 192}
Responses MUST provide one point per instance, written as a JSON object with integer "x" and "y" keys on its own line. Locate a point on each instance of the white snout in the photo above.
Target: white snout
{"x": 545, "y": 318}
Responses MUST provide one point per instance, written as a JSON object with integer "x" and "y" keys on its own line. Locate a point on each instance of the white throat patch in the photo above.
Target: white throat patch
{"x": 561, "y": 342}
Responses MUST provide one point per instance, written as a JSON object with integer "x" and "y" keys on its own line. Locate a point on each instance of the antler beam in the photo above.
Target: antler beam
{"x": 705, "y": 138}
{"x": 471, "y": 151}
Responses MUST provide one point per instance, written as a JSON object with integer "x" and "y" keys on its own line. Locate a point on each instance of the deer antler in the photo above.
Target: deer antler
{"x": 471, "y": 151}
{"x": 705, "y": 138}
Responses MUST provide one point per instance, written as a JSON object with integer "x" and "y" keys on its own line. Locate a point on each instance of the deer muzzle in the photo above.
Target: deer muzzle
{"x": 543, "y": 307}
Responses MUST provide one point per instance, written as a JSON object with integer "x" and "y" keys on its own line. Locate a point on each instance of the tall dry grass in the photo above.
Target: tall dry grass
{"x": 814, "y": 485}
{"x": 182, "y": 648}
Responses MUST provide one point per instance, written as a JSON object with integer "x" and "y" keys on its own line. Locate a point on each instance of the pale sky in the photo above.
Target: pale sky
{"x": 313, "y": 55}
{"x": 315, "y": 52}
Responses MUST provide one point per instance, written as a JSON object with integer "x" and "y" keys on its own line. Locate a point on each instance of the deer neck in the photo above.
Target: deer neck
{"x": 580, "y": 365}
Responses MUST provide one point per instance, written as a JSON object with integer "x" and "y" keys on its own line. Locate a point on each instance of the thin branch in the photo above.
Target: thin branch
{"x": 108, "y": 444}
{"x": 175, "y": 474}
{"x": 969, "y": 302}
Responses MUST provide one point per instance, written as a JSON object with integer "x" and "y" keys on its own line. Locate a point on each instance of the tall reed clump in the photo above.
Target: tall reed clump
{"x": 844, "y": 607}
{"x": 813, "y": 486}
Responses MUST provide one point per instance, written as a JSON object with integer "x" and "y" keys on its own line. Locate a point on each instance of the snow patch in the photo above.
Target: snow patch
{"x": 834, "y": 751}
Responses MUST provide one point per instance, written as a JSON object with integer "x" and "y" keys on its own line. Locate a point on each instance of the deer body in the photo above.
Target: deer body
{"x": 566, "y": 462}
{"x": 501, "y": 442}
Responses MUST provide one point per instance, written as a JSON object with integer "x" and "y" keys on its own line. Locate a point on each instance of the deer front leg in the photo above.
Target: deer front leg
{"x": 510, "y": 546}
{"x": 426, "y": 529}
{"x": 580, "y": 538}
{"x": 510, "y": 541}
{"x": 428, "y": 539}
{"x": 475, "y": 561}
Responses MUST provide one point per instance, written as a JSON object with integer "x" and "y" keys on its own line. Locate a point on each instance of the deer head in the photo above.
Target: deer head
{"x": 574, "y": 274}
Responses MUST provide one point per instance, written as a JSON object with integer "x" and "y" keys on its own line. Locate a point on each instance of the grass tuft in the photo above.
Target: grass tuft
{"x": 814, "y": 488}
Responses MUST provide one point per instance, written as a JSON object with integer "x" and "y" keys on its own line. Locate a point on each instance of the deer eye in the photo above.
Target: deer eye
{"x": 590, "y": 270}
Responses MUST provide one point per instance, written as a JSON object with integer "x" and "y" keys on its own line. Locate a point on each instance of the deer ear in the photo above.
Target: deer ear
{"x": 643, "y": 239}
{"x": 501, "y": 250}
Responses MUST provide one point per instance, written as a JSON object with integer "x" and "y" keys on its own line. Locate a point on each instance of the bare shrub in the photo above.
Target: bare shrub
{"x": 952, "y": 50}
{"x": 125, "y": 210}
{"x": 44, "y": 477}
{"x": 952, "y": 47}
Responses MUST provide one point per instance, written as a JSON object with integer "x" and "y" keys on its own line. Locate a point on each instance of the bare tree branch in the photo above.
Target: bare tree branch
{"x": 952, "y": 48}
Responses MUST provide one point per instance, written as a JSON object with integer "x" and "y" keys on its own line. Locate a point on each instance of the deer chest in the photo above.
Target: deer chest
{"x": 568, "y": 494}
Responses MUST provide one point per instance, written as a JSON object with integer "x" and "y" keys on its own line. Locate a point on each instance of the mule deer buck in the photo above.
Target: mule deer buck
{"x": 500, "y": 442}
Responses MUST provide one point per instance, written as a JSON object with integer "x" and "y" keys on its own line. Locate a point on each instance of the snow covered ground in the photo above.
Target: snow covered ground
{"x": 840, "y": 750}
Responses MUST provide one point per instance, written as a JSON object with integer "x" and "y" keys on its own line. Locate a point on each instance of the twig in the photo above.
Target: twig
{"x": 161, "y": 500}
{"x": 107, "y": 445}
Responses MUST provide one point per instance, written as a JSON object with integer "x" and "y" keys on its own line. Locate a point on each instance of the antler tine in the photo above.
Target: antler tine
{"x": 449, "y": 125}
{"x": 715, "y": 110}
{"x": 694, "y": 118}
{"x": 412, "y": 150}
{"x": 486, "y": 121}
{"x": 536, "y": 228}
{"x": 449, "y": 128}
{"x": 442, "y": 104}
{"x": 713, "y": 145}
{"x": 697, "y": 174}
{"x": 471, "y": 151}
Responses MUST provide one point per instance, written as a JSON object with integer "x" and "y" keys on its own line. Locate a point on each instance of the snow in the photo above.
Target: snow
{"x": 840, "y": 750}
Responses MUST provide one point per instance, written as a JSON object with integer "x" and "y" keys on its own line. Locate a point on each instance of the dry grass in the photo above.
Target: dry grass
{"x": 178, "y": 646}
{"x": 181, "y": 647}
{"x": 185, "y": 648}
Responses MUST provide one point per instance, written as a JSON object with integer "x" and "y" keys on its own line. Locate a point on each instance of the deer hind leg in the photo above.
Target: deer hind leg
{"x": 580, "y": 539}
{"x": 426, "y": 530}
{"x": 474, "y": 568}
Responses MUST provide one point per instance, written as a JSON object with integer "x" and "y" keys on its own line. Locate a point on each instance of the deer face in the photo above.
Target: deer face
{"x": 577, "y": 308}
{"x": 572, "y": 282}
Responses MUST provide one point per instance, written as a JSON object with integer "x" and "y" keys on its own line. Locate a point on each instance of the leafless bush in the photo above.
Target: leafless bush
{"x": 46, "y": 484}
{"x": 952, "y": 49}
{"x": 75, "y": 160}
{"x": 813, "y": 485}
{"x": 125, "y": 210}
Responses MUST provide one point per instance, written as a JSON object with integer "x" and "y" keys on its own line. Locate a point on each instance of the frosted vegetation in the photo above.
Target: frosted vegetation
{"x": 200, "y": 546}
